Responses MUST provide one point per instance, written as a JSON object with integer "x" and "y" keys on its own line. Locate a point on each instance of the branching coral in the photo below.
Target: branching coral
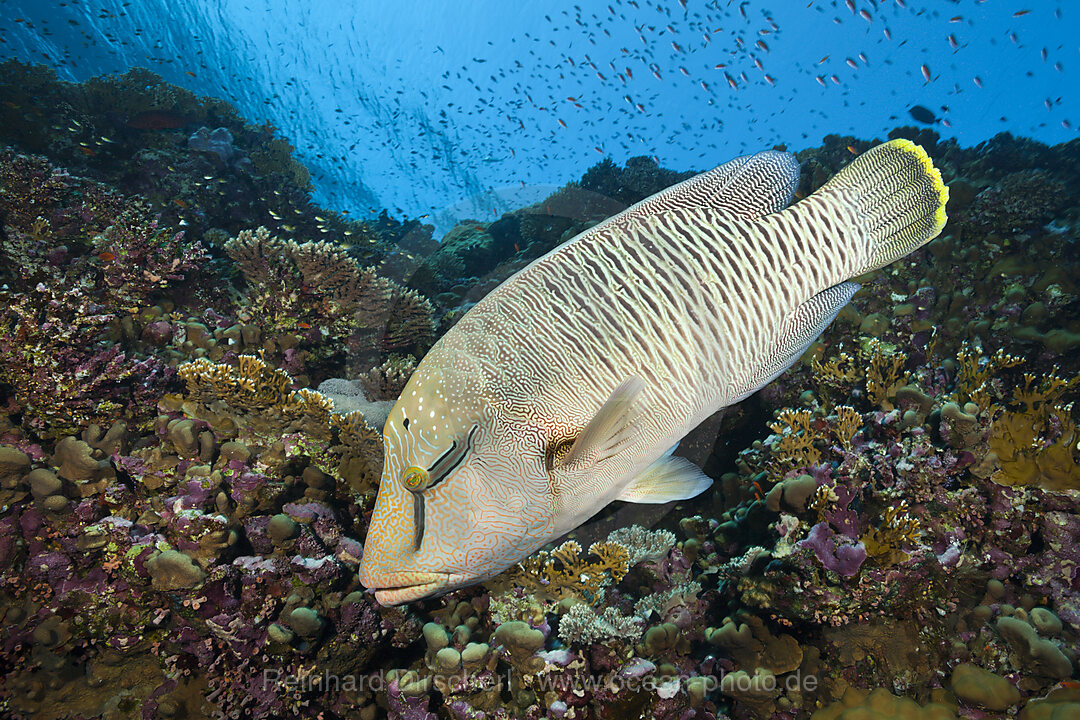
{"x": 583, "y": 625}
{"x": 249, "y": 400}
{"x": 250, "y": 383}
{"x": 897, "y": 529}
{"x": 359, "y": 451}
{"x": 974, "y": 372}
{"x": 836, "y": 371}
{"x": 566, "y": 572}
{"x": 386, "y": 381}
{"x": 847, "y": 425}
{"x": 794, "y": 446}
{"x": 884, "y": 375}
{"x": 642, "y": 544}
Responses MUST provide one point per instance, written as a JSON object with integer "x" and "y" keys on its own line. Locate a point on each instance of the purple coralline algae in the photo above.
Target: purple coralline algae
{"x": 843, "y": 558}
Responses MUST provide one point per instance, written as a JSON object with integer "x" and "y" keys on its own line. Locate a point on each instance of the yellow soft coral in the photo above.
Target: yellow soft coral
{"x": 795, "y": 445}
{"x": 566, "y": 572}
{"x": 1037, "y": 444}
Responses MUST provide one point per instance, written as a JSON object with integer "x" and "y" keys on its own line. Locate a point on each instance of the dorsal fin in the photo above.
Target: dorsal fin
{"x": 747, "y": 187}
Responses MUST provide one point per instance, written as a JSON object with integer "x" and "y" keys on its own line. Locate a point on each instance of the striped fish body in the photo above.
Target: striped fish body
{"x": 583, "y": 370}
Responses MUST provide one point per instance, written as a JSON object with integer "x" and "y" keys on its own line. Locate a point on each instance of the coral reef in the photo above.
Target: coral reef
{"x": 193, "y": 158}
{"x": 190, "y": 447}
{"x": 322, "y": 302}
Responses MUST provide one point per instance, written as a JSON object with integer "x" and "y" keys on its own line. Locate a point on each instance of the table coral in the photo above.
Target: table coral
{"x": 317, "y": 286}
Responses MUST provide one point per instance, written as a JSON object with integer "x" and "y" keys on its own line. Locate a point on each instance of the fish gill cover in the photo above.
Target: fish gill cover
{"x": 213, "y": 213}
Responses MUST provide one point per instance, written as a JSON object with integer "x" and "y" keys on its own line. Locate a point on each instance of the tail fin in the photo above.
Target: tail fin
{"x": 900, "y": 196}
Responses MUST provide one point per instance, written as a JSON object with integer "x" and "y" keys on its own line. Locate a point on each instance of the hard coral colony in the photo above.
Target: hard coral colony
{"x": 188, "y": 480}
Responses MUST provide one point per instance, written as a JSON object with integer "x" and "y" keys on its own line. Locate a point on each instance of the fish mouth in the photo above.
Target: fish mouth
{"x": 416, "y": 586}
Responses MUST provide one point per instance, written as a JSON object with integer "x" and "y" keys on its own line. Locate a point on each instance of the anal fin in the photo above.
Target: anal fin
{"x": 797, "y": 331}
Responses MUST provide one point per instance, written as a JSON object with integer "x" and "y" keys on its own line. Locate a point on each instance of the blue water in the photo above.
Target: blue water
{"x": 451, "y": 110}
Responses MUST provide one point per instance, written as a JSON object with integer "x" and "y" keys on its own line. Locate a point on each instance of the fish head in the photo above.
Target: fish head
{"x": 464, "y": 493}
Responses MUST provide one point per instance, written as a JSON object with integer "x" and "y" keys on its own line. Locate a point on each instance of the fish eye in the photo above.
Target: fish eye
{"x": 416, "y": 479}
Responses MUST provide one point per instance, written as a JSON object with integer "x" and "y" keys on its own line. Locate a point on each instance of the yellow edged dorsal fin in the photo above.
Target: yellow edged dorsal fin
{"x": 747, "y": 187}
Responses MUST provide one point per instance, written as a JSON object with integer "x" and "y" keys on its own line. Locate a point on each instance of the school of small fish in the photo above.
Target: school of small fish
{"x": 684, "y": 81}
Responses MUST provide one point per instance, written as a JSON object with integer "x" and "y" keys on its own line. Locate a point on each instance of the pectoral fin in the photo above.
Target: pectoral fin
{"x": 613, "y": 428}
{"x": 669, "y": 478}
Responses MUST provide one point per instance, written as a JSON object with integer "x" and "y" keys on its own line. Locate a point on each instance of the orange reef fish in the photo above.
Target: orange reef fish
{"x": 568, "y": 386}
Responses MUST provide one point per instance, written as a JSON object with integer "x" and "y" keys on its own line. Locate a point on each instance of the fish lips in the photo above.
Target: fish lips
{"x": 411, "y": 586}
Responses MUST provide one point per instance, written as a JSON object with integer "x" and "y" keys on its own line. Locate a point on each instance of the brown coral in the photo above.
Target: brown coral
{"x": 359, "y": 450}
{"x": 847, "y": 425}
{"x": 318, "y": 285}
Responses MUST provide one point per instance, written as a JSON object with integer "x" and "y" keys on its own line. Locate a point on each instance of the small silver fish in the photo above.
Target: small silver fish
{"x": 568, "y": 386}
